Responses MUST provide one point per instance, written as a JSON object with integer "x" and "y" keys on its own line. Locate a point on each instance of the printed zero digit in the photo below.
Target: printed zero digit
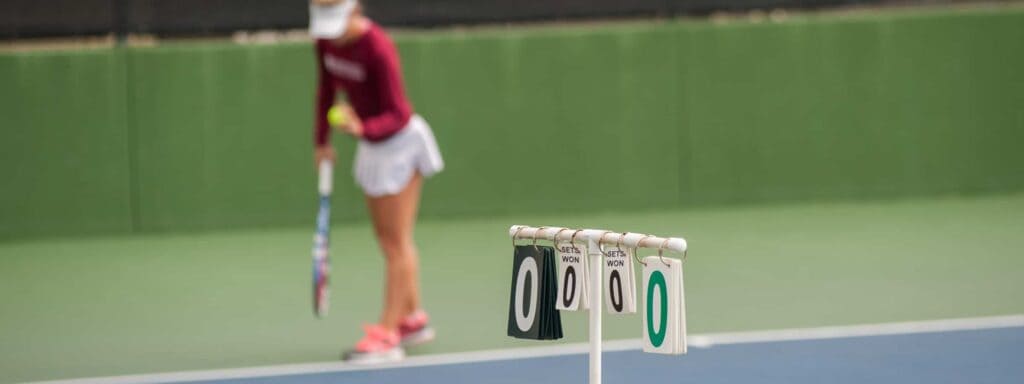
{"x": 524, "y": 321}
{"x": 570, "y": 288}
{"x": 615, "y": 290}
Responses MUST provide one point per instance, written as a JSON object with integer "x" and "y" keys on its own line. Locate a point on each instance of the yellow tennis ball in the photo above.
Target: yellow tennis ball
{"x": 336, "y": 116}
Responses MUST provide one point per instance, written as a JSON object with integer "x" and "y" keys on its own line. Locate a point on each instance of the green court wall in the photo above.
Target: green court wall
{"x": 628, "y": 116}
{"x": 223, "y": 136}
{"x": 64, "y": 144}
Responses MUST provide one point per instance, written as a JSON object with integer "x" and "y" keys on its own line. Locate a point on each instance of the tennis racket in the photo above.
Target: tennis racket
{"x": 321, "y": 242}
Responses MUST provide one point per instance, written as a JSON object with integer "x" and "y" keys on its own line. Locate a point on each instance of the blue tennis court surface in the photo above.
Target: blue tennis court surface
{"x": 974, "y": 354}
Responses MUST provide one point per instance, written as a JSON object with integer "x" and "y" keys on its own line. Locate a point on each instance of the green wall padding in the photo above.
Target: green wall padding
{"x": 195, "y": 136}
{"x": 224, "y": 136}
{"x": 551, "y": 121}
{"x": 64, "y": 163}
{"x": 861, "y": 108}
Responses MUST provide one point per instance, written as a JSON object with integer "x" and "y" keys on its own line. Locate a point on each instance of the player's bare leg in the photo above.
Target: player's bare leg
{"x": 394, "y": 217}
{"x": 401, "y": 321}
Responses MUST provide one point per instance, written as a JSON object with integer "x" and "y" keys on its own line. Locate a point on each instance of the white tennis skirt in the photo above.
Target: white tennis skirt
{"x": 386, "y": 167}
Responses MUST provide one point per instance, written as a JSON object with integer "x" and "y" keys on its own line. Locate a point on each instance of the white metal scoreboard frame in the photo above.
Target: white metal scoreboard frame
{"x": 594, "y": 238}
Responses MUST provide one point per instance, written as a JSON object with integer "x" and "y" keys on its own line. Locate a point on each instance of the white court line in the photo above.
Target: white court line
{"x": 699, "y": 341}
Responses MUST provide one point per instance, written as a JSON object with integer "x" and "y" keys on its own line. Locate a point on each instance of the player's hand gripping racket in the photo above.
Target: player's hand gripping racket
{"x": 321, "y": 241}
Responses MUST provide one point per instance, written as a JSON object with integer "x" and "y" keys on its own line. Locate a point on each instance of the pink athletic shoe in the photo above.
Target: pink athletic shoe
{"x": 415, "y": 329}
{"x": 380, "y": 345}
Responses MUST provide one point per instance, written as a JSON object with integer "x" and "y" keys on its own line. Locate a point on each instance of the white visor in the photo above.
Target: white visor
{"x": 329, "y": 21}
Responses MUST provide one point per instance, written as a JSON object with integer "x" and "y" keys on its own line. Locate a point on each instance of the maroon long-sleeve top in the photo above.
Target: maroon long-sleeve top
{"x": 367, "y": 69}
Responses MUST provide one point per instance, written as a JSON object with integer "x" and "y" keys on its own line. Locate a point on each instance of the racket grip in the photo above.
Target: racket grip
{"x": 326, "y": 179}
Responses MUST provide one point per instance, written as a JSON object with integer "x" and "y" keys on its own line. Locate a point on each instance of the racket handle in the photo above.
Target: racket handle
{"x": 326, "y": 182}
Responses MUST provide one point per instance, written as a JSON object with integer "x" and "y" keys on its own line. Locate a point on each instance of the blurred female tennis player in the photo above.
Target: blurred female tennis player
{"x": 396, "y": 151}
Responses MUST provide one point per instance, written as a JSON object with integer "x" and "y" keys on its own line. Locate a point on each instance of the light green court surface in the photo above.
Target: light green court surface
{"x": 119, "y": 305}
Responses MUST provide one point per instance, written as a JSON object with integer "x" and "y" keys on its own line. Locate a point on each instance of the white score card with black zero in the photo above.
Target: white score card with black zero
{"x": 572, "y": 278}
{"x": 620, "y": 296}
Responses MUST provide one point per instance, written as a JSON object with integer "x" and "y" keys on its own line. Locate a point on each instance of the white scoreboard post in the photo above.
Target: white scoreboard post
{"x": 664, "y": 319}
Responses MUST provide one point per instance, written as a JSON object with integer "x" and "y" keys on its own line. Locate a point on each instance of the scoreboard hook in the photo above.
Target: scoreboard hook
{"x": 573, "y": 238}
{"x": 638, "y": 247}
{"x": 600, "y": 247}
{"x": 661, "y": 248}
{"x": 516, "y": 236}
{"x": 558, "y": 233}
{"x": 618, "y": 245}
{"x": 535, "y": 237}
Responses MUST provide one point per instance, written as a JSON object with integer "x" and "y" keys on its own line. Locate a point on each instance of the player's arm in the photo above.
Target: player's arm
{"x": 324, "y": 99}
{"x": 396, "y": 109}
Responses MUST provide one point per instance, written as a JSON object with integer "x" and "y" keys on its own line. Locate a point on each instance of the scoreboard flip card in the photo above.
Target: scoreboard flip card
{"x": 620, "y": 296}
{"x": 531, "y": 309}
{"x": 573, "y": 278}
{"x": 523, "y": 321}
{"x": 664, "y": 313}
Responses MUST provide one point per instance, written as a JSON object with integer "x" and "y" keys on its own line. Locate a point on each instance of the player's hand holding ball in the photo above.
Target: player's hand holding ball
{"x": 343, "y": 117}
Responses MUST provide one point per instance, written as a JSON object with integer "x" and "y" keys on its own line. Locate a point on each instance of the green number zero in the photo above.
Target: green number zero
{"x": 657, "y": 279}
